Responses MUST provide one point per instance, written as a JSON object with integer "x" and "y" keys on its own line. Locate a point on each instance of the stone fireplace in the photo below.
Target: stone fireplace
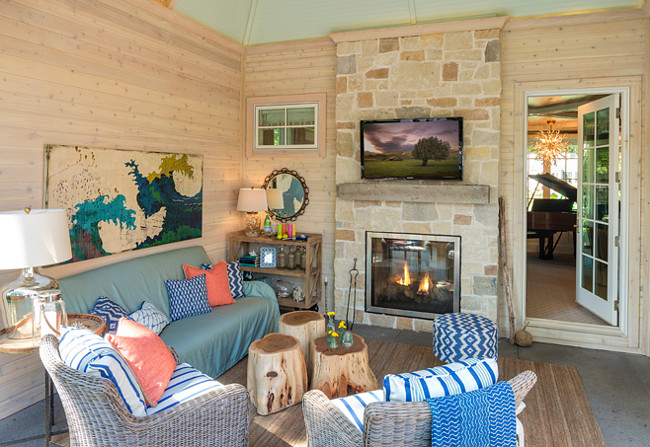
{"x": 412, "y": 275}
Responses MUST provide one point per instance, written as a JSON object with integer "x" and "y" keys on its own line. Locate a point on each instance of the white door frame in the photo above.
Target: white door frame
{"x": 626, "y": 336}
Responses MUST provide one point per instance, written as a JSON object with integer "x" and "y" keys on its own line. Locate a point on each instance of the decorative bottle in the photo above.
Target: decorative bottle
{"x": 291, "y": 259}
{"x": 303, "y": 259}
{"x": 331, "y": 327}
{"x": 267, "y": 226}
{"x": 299, "y": 258}
{"x": 282, "y": 258}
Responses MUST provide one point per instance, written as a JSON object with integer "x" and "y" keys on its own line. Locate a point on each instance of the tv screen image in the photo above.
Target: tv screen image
{"x": 413, "y": 149}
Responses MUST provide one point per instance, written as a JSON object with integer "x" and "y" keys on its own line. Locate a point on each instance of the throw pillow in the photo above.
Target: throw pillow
{"x": 110, "y": 310}
{"x": 147, "y": 355}
{"x": 235, "y": 278}
{"x": 446, "y": 380}
{"x": 354, "y": 406}
{"x": 87, "y": 352}
{"x": 150, "y": 317}
{"x": 216, "y": 280}
{"x": 187, "y": 297}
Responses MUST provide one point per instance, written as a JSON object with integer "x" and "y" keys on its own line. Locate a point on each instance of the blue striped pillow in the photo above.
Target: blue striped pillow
{"x": 454, "y": 378}
{"x": 150, "y": 317}
{"x": 186, "y": 384}
{"x": 110, "y": 310}
{"x": 235, "y": 278}
{"x": 353, "y": 407}
{"x": 89, "y": 353}
{"x": 187, "y": 297}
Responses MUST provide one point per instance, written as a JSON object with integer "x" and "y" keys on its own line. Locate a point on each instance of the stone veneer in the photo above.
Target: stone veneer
{"x": 450, "y": 74}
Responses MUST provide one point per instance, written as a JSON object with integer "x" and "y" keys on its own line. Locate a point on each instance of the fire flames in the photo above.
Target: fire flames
{"x": 425, "y": 283}
{"x": 406, "y": 281}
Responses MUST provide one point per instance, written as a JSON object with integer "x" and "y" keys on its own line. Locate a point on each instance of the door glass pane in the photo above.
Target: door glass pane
{"x": 587, "y": 273}
{"x": 270, "y": 117}
{"x": 602, "y": 232}
{"x": 588, "y": 129}
{"x": 602, "y": 203}
{"x": 300, "y": 135}
{"x": 588, "y": 202}
{"x": 602, "y": 165}
{"x": 601, "y": 280}
{"x": 602, "y": 127}
{"x": 588, "y": 238}
{"x": 271, "y": 137}
{"x": 301, "y": 117}
{"x": 588, "y": 165}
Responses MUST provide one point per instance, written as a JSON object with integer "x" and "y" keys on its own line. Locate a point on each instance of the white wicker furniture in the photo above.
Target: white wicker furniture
{"x": 97, "y": 416}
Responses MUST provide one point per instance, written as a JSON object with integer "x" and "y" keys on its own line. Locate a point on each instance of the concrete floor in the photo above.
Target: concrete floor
{"x": 617, "y": 385}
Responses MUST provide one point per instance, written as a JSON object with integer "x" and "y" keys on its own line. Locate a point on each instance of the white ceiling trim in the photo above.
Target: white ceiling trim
{"x": 250, "y": 22}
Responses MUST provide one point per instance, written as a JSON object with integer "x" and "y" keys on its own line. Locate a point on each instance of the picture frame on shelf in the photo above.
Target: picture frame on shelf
{"x": 268, "y": 257}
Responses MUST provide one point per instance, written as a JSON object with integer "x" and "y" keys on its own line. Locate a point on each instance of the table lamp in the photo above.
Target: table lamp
{"x": 252, "y": 200}
{"x": 30, "y": 239}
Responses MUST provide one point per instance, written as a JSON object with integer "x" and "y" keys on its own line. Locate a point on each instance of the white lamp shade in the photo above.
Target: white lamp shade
{"x": 33, "y": 239}
{"x": 252, "y": 199}
{"x": 274, "y": 199}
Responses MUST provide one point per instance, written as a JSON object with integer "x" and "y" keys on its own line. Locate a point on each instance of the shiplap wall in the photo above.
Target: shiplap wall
{"x": 291, "y": 69}
{"x": 115, "y": 74}
{"x": 584, "y": 51}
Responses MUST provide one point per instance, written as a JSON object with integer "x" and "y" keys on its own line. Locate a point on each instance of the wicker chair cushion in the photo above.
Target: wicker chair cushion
{"x": 446, "y": 380}
{"x": 353, "y": 407}
{"x": 150, "y": 317}
{"x": 216, "y": 279}
{"x": 89, "y": 353}
{"x": 235, "y": 278}
{"x": 187, "y": 297}
{"x": 110, "y": 310}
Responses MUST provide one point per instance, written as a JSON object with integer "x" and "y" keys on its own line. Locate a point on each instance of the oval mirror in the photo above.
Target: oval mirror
{"x": 290, "y": 197}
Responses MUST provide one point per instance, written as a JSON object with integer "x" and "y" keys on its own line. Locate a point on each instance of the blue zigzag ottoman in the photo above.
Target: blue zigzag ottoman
{"x": 458, "y": 336}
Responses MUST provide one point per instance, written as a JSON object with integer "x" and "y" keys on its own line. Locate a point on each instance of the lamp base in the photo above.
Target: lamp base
{"x": 253, "y": 223}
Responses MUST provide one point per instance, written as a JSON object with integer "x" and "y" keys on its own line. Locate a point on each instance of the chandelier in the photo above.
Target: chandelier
{"x": 550, "y": 144}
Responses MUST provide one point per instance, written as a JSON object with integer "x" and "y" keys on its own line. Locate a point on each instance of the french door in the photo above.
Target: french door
{"x": 598, "y": 208}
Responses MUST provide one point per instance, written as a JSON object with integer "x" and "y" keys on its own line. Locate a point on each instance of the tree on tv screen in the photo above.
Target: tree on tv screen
{"x": 431, "y": 148}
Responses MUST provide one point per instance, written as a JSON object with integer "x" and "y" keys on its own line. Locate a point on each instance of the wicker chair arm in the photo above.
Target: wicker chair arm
{"x": 326, "y": 426}
{"x": 521, "y": 384}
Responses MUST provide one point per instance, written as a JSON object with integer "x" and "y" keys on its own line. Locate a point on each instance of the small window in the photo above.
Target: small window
{"x": 283, "y": 124}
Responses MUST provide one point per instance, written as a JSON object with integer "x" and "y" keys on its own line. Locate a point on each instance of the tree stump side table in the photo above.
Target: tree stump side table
{"x": 276, "y": 378}
{"x": 342, "y": 371}
{"x": 305, "y": 325}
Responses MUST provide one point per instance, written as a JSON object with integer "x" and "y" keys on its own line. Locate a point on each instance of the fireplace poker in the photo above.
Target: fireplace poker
{"x": 354, "y": 274}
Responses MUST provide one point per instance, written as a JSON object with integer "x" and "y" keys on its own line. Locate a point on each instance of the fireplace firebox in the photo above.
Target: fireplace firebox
{"x": 412, "y": 275}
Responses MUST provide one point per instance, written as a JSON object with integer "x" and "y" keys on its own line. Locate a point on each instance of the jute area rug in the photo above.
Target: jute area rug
{"x": 557, "y": 411}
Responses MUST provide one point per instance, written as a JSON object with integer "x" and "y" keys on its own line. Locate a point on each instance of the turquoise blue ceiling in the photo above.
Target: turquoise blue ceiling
{"x": 253, "y": 22}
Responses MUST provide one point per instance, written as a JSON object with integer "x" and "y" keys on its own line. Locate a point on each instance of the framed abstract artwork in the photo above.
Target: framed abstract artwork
{"x": 120, "y": 200}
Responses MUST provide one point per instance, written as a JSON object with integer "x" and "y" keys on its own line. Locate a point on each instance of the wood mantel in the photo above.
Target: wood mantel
{"x": 395, "y": 191}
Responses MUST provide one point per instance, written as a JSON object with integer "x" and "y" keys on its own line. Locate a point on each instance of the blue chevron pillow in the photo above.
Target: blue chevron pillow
{"x": 235, "y": 278}
{"x": 447, "y": 380}
{"x": 150, "y": 317}
{"x": 187, "y": 297}
{"x": 110, "y": 310}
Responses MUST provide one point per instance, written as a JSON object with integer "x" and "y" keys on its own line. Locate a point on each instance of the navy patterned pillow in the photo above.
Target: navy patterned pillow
{"x": 235, "y": 278}
{"x": 110, "y": 310}
{"x": 187, "y": 297}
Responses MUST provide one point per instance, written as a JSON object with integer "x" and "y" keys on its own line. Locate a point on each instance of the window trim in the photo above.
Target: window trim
{"x": 319, "y": 148}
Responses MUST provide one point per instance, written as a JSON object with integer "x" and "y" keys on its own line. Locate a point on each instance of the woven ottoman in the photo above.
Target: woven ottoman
{"x": 458, "y": 336}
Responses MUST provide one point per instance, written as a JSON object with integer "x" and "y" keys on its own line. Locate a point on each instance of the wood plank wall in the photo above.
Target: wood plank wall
{"x": 291, "y": 69}
{"x": 591, "y": 50}
{"x": 115, "y": 74}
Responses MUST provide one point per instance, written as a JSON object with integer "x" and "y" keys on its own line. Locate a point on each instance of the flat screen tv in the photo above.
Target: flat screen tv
{"x": 412, "y": 149}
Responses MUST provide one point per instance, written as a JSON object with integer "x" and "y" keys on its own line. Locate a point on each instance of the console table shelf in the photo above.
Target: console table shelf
{"x": 239, "y": 244}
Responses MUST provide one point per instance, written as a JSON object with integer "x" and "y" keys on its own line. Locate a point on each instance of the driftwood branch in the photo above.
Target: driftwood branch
{"x": 503, "y": 257}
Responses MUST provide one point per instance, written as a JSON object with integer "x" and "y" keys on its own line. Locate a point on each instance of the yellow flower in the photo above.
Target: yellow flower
{"x": 335, "y": 334}
{"x": 342, "y": 324}
{"x": 331, "y": 314}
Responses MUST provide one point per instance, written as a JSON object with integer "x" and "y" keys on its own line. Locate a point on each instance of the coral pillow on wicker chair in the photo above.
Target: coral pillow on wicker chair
{"x": 147, "y": 355}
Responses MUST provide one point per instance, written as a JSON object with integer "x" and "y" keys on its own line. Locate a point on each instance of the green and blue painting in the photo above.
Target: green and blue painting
{"x": 120, "y": 200}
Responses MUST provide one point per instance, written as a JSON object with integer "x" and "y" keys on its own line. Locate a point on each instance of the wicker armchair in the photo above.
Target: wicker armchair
{"x": 387, "y": 424}
{"x": 97, "y": 415}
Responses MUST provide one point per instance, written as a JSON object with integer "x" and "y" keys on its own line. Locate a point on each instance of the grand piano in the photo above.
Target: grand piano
{"x": 548, "y": 217}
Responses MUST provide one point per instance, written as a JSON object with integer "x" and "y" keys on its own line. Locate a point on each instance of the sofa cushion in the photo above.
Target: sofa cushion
{"x": 89, "y": 353}
{"x": 150, "y": 317}
{"x": 454, "y": 378}
{"x": 216, "y": 280}
{"x": 354, "y": 406}
{"x": 187, "y": 297}
{"x": 235, "y": 278}
{"x": 147, "y": 355}
{"x": 110, "y": 310}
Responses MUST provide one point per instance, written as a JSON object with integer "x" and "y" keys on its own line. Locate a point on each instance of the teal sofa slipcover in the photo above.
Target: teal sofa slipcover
{"x": 211, "y": 342}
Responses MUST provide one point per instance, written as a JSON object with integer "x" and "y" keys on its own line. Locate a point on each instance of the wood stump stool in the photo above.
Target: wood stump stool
{"x": 305, "y": 325}
{"x": 342, "y": 371}
{"x": 276, "y": 377}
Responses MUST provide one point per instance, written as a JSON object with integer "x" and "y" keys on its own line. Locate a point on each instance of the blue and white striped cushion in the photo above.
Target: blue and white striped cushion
{"x": 235, "y": 278}
{"x": 110, "y": 310}
{"x": 354, "y": 406}
{"x": 151, "y": 317}
{"x": 89, "y": 353}
{"x": 447, "y": 380}
{"x": 186, "y": 383}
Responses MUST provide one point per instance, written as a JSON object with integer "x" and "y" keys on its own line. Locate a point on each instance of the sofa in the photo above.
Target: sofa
{"x": 212, "y": 342}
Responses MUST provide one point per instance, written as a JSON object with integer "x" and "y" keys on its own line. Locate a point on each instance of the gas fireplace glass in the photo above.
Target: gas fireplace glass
{"x": 412, "y": 275}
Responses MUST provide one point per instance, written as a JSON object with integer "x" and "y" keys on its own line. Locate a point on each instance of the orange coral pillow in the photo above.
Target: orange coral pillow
{"x": 147, "y": 355}
{"x": 216, "y": 280}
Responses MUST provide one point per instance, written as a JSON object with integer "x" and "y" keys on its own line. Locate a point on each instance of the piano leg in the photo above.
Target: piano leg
{"x": 546, "y": 245}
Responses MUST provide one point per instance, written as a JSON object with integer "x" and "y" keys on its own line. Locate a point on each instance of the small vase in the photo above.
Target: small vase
{"x": 347, "y": 339}
{"x": 334, "y": 343}
{"x": 330, "y": 328}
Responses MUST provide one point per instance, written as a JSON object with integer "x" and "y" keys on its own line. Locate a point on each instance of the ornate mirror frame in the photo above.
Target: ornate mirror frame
{"x": 268, "y": 181}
